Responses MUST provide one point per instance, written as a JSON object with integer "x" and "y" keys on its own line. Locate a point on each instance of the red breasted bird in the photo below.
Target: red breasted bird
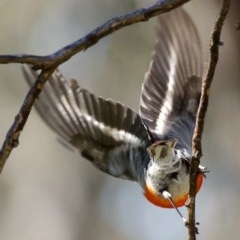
{"x": 152, "y": 147}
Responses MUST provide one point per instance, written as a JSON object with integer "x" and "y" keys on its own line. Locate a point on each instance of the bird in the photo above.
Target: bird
{"x": 152, "y": 146}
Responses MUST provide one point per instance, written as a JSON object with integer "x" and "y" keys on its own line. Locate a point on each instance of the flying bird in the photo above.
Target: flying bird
{"x": 151, "y": 147}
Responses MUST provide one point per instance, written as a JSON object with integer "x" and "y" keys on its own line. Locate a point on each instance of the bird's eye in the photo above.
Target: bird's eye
{"x": 174, "y": 176}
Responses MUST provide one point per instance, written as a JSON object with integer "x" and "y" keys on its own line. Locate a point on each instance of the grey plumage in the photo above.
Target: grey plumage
{"x": 95, "y": 126}
{"x": 172, "y": 86}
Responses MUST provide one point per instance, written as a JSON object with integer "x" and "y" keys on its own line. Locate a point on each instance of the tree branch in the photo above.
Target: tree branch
{"x": 50, "y": 62}
{"x": 112, "y": 25}
{"x": 197, "y": 137}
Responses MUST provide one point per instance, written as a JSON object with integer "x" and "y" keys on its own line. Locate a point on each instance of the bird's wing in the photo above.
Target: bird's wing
{"x": 98, "y": 128}
{"x": 172, "y": 86}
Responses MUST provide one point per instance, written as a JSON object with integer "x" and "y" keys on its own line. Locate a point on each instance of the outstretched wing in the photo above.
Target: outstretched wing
{"x": 172, "y": 86}
{"x": 93, "y": 125}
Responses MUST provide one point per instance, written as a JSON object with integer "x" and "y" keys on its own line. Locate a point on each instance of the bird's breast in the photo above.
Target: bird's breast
{"x": 179, "y": 192}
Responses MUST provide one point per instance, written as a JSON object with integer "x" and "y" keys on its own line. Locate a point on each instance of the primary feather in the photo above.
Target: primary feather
{"x": 95, "y": 126}
{"x": 172, "y": 86}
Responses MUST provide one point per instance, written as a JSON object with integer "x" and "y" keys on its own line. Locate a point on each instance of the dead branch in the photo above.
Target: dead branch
{"x": 197, "y": 137}
{"x": 112, "y": 25}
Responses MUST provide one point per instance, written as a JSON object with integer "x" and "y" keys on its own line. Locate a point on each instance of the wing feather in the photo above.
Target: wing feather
{"x": 172, "y": 86}
{"x": 93, "y": 125}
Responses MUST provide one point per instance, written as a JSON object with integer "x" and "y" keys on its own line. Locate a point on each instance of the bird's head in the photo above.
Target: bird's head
{"x": 162, "y": 154}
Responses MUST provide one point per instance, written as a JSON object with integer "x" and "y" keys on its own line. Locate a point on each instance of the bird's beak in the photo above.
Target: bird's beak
{"x": 172, "y": 143}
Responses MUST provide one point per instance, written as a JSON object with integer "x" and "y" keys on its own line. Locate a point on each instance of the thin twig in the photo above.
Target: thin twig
{"x": 112, "y": 25}
{"x": 197, "y": 137}
{"x": 50, "y": 62}
{"x": 13, "y": 134}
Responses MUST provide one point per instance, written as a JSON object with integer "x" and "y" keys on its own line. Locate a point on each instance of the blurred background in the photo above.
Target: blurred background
{"x": 49, "y": 192}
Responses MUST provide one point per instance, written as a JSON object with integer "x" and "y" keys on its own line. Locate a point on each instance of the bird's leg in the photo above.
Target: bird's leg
{"x": 168, "y": 196}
